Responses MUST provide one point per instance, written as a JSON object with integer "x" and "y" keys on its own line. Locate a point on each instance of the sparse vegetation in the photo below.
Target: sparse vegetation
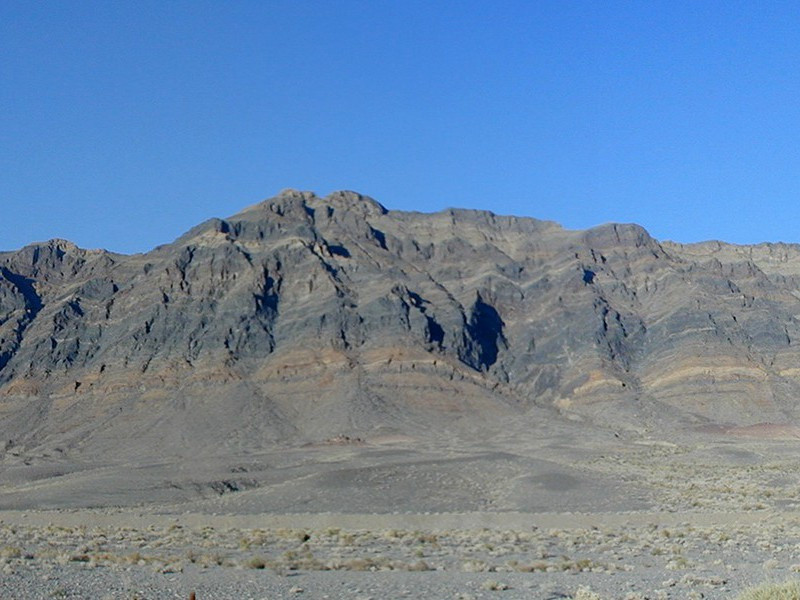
{"x": 257, "y": 562}
{"x": 675, "y": 549}
{"x": 584, "y": 593}
{"x": 494, "y": 586}
{"x": 788, "y": 590}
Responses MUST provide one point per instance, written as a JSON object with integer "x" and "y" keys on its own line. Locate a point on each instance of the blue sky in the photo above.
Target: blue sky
{"x": 122, "y": 124}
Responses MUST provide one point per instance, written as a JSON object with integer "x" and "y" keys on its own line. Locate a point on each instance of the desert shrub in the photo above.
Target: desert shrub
{"x": 10, "y": 552}
{"x": 257, "y": 562}
{"x": 420, "y": 565}
{"x": 584, "y": 593}
{"x": 494, "y": 586}
{"x": 788, "y": 590}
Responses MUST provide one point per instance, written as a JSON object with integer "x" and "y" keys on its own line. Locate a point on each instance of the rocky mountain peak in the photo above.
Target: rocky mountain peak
{"x": 349, "y": 201}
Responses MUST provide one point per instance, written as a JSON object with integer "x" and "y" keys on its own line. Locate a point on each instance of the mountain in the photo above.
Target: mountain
{"x": 304, "y": 319}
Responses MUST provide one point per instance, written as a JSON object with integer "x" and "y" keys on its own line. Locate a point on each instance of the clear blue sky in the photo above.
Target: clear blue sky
{"x": 122, "y": 124}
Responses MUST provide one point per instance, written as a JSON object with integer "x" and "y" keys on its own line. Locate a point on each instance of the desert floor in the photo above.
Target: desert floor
{"x": 694, "y": 518}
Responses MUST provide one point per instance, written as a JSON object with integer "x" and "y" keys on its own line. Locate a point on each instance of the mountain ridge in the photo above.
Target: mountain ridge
{"x": 303, "y": 318}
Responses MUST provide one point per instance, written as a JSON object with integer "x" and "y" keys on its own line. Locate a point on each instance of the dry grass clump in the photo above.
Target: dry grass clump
{"x": 257, "y": 562}
{"x": 788, "y": 590}
{"x": 10, "y": 552}
{"x": 584, "y": 593}
{"x": 494, "y": 586}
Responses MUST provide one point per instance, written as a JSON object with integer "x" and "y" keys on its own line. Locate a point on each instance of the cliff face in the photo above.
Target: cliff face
{"x": 302, "y": 318}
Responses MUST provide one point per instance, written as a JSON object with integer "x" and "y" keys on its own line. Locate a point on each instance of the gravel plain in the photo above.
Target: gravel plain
{"x": 642, "y": 520}
{"x": 117, "y": 554}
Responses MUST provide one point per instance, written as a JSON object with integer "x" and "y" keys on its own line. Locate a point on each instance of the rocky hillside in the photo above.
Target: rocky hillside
{"x": 304, "y": 318}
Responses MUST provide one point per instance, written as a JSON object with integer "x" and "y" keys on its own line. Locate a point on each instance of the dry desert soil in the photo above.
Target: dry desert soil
{"x": 702, "y": 517}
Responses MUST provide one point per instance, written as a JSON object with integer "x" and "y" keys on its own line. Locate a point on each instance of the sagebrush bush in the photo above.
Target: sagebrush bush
{"x": 788, "y": 590}
{"x": 585, "y": 593}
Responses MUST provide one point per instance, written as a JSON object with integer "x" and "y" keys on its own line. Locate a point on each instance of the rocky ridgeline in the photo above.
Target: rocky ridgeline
{"x": 305, "y": 318}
